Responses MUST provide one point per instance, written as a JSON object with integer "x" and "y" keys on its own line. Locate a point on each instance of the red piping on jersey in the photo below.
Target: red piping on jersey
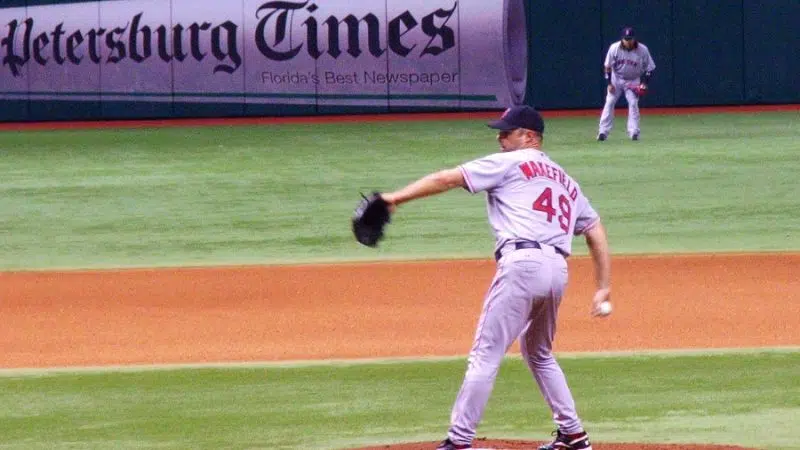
{"x": 466, "y": 179}
{"x": 588, "y": 227}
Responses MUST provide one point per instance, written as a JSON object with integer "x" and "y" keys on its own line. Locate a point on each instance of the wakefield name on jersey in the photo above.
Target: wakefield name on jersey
{"x": 530, "y": 197}
{"x": 533, "y": 169}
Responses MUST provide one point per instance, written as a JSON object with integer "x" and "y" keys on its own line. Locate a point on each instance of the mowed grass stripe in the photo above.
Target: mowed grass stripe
{"x": 389, "y": 260}
{"x": 661, "y": 353}
{"x": 725, "y": 398}
{"x": 274, "y": 194}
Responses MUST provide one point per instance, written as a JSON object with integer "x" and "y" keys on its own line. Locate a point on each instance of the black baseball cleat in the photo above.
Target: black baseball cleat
{"x": 601, "y": 137}
{"x": 447, "y": 444}
{"x": 635, "y": 137}
{"x": 577, "y": 441}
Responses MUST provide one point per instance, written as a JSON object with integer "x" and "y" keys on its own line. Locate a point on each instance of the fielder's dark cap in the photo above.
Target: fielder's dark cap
{"x": 522, "y": 116}
{"x": 628, "y": 33}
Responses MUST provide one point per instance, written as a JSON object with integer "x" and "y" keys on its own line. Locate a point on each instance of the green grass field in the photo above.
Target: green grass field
{"x": 737, "y": 398}
{"x": 284, "y": 194}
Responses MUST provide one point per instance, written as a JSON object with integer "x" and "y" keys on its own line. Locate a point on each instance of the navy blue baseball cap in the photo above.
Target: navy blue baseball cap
{"x": 628, "y": 33}
{"x": 521, "y": 116}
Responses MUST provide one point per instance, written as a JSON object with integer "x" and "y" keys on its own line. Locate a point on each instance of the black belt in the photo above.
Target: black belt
{"x": 526, "y": 244}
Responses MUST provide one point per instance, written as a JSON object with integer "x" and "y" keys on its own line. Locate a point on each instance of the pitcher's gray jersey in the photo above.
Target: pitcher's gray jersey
{"x": 531, "y": 198}
{"x": 629, "y": 65}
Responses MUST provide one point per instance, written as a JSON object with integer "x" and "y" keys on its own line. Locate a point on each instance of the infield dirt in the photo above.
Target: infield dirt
{"x": 279, "y": 313}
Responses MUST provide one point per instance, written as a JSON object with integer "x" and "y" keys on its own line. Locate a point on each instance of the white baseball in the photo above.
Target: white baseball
{"x": 604, "y": 309}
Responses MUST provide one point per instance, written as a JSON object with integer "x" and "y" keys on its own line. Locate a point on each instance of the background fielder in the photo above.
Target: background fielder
{"x": 628, "y": 65}
{"x": 534, "y": 209}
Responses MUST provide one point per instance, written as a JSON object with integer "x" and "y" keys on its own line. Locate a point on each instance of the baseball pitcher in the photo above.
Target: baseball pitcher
{"x": 628, "y": 68}
{"x": 535, "y": 208}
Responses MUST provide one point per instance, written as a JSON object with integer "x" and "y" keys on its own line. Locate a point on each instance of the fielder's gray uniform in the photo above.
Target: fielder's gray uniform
{"x": 627, "y": 68}
{"x": 530, "y": 200}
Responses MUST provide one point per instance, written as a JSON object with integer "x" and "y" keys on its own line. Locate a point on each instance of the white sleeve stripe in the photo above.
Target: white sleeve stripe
{"x": 466, "y": 179}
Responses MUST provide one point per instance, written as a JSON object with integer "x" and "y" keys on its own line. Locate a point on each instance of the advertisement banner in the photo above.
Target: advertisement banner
{"x": 14, "y": 84}
{"x": 279, "y": 68}
{"x": 14, "y": 75}
{"x": 496, "y": 51}
{"x": 60, "y": 67}
{"x": 320, "y": 53}
{"x": 133, "y": 68}
{"x": 424, "y": 64}
{"x": 350, "y": 49}
{"x": 207, "y": 56}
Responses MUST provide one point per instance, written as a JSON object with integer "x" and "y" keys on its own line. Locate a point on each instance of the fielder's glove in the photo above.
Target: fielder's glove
{"x": 640, "y": 90}
{"x": 370, "y": 218}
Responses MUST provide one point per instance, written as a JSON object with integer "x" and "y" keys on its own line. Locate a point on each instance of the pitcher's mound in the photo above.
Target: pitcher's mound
{"x": 502, "y": 444}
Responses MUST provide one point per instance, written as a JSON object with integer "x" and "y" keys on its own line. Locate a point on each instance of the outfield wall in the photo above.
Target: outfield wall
{"x": 707, "y": 52}
{"x": 115, "y": 59}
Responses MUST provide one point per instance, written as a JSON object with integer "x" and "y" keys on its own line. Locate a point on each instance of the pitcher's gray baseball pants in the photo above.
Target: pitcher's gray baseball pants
{"x": 523, "y": 302}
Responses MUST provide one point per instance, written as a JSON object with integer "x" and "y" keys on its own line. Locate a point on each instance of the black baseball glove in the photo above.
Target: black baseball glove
{"x": 370, "y": 218}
